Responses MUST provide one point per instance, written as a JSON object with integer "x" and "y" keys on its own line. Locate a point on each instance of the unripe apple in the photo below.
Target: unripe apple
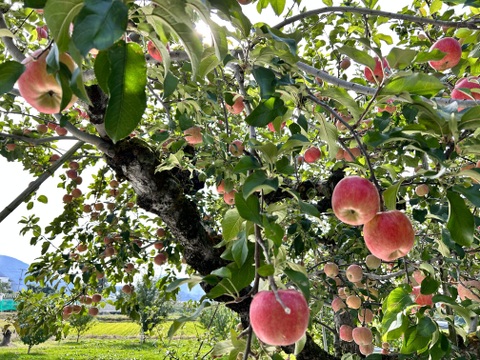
{"x": 362, "y": 336}
{"x": 422, "y": 190}
{"x": 330, "y": 269}
{"x": 469, "y": 290}
{"x": 238, "y": 105}
{"x": 372, "y": 262}
{"x": 365, "y": 316}
{"x": 389, "y": 235}
{"x": 153, "y": 51}
{"x": 312, "y": 154}
{"x": 160, "y": 259}
{"x": 354, "y": 302}
{"x": 378, "y": 73}
{"x": 236, "y": 148}
{"x": 345, "y": 63}
{"x": 366, "y": 349}
{"x": 194, "y": 135}
{"x": 355, "y": 200}
{"x": 453, "y": 53}
{"x": 93, "y": 311}
{"x": 39, "y": 88}
{"x": 338, "y": 304}
{"x": 275, "y": 325}
{"x": 345, "y": 333}
{"x": 229, "y": 197}
{"x": 421, "y": 299}
{"x": 354, "y": 273}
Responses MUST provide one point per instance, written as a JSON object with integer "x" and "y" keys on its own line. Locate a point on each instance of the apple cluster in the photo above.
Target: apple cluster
{"x": 388, "y": 235}
{"x": 68, "y": 310}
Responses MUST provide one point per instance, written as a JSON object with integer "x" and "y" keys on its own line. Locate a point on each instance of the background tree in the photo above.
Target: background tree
{"x": 81, "y": 323}
{"x": 220, "y": 158}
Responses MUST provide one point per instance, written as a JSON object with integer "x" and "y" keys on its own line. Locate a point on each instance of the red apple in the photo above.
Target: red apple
{"x": 354, "y": 273}
{"x": 453, "y": 53}
{"x": 93, "y": 311}
{"x": 469, "y": 290}
{"x": 42, "y": 32}
{"x": 42, "y": 128}
{"x": 467, "y": 88}
{"x": 61, "y": 131}
{"x": 160, "y": 232}
{"x": 271, "y": 127}
{"x": 96, "y": 298}
{"x": 238, "y": 105}
{"x": 355, "y": 200}
{"x": 160, "y": 259}
{"x": 312, "y": 154}
{"x": 229, "y": 197}
{"x": 345, "y": 333}
{"x": 345, "y": 63}
{"x": 158, "y": 245}
{"x": 127, "y": 289}
{"x": 194, "y": 135}
{"x": 236, "y": 148}
{"x": 378, "y": 73}
{"x": 41, "y": 89}
{"x": 389, "y": 235}
{"x": 275, "y": 325}
{"x": 221, "y": 187}
{"x": 356, "y": 152}
{"x": 362, "y": 336}
{"x": 330, "y": 269}
{"x": 421, "y": 299}
{"x": 338, "y": 304}
{"x": 244, "y": 2}
{"x": 10, "y": 147}
{"x": 365, "y": 316}
{"x": 153, "y": 51}
{"x": 354, "y": 302}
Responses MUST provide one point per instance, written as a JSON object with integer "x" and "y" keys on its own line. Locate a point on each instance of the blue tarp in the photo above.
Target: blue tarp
{"x": 7, "y": 305}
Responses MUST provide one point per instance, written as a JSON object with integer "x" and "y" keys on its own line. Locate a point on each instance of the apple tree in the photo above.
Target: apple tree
{"x": 215, "y": 154}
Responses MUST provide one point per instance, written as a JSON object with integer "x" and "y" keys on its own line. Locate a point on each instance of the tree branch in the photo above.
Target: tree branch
{"x": 8, "y": 41}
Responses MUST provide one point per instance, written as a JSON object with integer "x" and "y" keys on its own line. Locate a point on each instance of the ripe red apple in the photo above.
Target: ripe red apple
{"x": 453, "y": 53}
{"x": 71, "y": 174}
{"x": 355, "y": 200}
{"x": 345, "y": 63}
{"x": 338, "y": 304}
{"x": 160, "y": 259}
{"x": 160, "y": 232}
{"x": 158, "y": 245}
{"x": 354, "y": 273}
{"x": 73, "y": 165}
{"x": 76, "y": 309}
{"x": 41, "y": 89}
{"x": 345, "y": 333}
{"x": 422, "y": 190}
{"x": 221, "y": 187}
{"x": 356, "y": 152}
{"x": 372, "y": 262}
{"x": 129, "y": 267}
{"x": 421, "y": 299}
{"x": 467, "y": 88}
{"x": 82, "y": 247}
{"x": 271, "y": 127}
{"x": 312, "y": 154}
{"x": 275, "y": 325}
{"x": 61, "y": 131}
{"x": 378, "y": 73}
{"x": 389, "y": 235}
{"x": 244, "y": 2}
{"x": 96, "y": 298}
{"x": 469, "y": 290}
{"x": 236, "y": 148}
{"x": 330, "y": 269}
{"x": 153, "y": 51}
{"x": 418, "y": 276}
{"x": 114, "y": 184}
{"x": 67, "y": 198}
{"x": 42, "y": 32}
{"x": 354, "y": 302}
{"x": 365, "y": 316}
{"x": 10, "y": 147}
{"x": 238, "y": 105}
{"x": 127, "y": 289}
{"x": 93, "y": 311}
{"x": 343, "y": 292}
{"x": 362, "y": 336}
{"x": 229, "y": 197}
{"x": 194, "y": 135}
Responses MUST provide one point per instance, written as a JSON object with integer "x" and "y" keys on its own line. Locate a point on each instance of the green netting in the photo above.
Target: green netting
{"x": 7, "y": 305}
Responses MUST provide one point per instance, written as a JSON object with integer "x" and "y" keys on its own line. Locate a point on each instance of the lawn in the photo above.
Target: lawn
{"x": 112, "y": 340}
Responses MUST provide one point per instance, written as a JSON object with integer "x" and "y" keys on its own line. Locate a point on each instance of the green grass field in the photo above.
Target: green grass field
{"x": 115, "y": 340}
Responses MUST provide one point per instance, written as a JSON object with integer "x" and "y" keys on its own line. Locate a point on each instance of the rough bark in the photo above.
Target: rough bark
{"x": 7, "y": 336}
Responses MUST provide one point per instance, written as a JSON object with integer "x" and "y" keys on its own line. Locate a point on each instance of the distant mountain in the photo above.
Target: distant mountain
{"x": 15, "y": 270}
{"x": 186, "y": 294}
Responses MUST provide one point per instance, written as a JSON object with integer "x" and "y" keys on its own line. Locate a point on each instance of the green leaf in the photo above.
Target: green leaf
{"x": 10, "y": 71}
{"x": 43, "y": 199}
{"x": 233, "y": 12}
{"x": 102, "y": 70}
{"x": 240, "y": 251}
{"x": 472, "y": 193}
{"x": 35, "y": 4}
{"x": 267, "y": 111}
{"x": 343, "y": 97}
{"x": 245, "y": 164}
{"x": 172, "y": 14}
{"x": 429, "y": 286}
{"x": 258, "y": 180}
{"x": 394, "y": 325}
{"x": 278, "y": 6}
{"x": 413, "y": 341}
{"x": 413, "y": 83}
{"x": 59, "y": 14}
{"x": 460, "y": 220}
{"x": 126, "y": 82}
{"x": 266, "y": 270}
{"x": 169, "y": 84}
{"x": 390, "y": 195}
{"x": 266, "y": 81}
{"x": 249, "y": 208}
{"x": 231, "y": 224}
{"x": 470, "y": 120}
{"x": 300, "y": 279}
{"x": 328, "y": 133}
{"x": 178, "y": 323}
{"x": 358, "y": 56}
{"x": 99, "y": 24}
{"x": 397, "y": 300}
{"x": 308, "y": 209}
{"x": 401, "y": 58}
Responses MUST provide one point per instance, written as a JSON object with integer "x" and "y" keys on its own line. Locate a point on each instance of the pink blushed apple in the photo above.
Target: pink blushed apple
{"x": 389, "y": 235}
{"x": 236, "y": 148}
{"x": 354, "y": 273}
{"x": 312, "y": 154}
{"x": 421, "y": 299}
{"x": 238, "y": 105}
{"x": 330, "y": 269}
{"x": 275, "y": 325}
{"x": 345, "y": 333}
{"x": 193, "y": 135}
{"x": 469, "y": 290}
{"x": 453, "y": 53}
{"x": 378, "y": 73}
{"x": 355, "y": 200}
{"x": 362, "y": 335}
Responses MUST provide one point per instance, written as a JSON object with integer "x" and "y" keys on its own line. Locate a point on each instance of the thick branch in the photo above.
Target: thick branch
{"x": 471, "y": 24}
{"x": 8, "y": 41}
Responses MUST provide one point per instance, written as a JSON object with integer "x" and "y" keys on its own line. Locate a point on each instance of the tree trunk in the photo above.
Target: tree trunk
{"x": 7, "y": 336}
